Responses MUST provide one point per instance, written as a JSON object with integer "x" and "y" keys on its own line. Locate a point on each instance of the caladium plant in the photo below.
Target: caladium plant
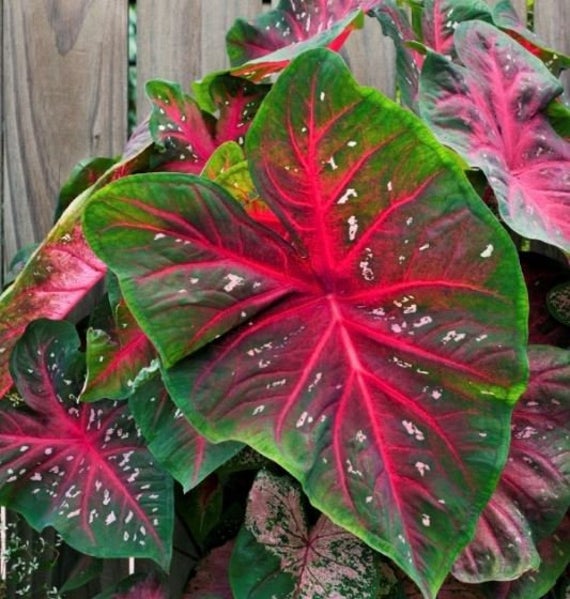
{"x": 320, "y": 329}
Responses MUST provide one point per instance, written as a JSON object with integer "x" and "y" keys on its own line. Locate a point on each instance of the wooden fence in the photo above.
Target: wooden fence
{"x": 64, "y": 83}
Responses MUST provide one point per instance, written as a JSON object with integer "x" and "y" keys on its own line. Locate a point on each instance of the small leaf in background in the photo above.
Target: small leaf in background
{"x": 139, "y": 586}
{"x": 541, "y": 275}
{"x": 440, "y": 19}
{"x": 554, "y": 553}
{"x": 118, "y": 359}
{"x": 82, "y": 468}
{"x": 534, "y": 491}
{"x": 172, "y": 440}
{"x": 507, "y": 18}
{"x": 278, "y": 553}
{"x": 211, "y": 579}
{"x": 84, "y": 175}
{"x": 188, "y": 134}
{"x": 559, "y": 117}
{"x": 558, "y": 301}
{"x": 409, "y": 60}
{"x": 273, "y": 39}
{"x": 378, "y": 359}
{"x": 500, "y": 128}
{"x": 61, "y": 278}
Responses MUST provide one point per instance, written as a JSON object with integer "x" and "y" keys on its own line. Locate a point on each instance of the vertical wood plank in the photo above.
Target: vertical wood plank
{"x": 169, "y": 44}
{"x": 64, "y": 85}
{"x": 371, "y": 57}
{"x": 551, "y": 22}
{"x": 217, "y": 17}
{"x": 520, "y": 7}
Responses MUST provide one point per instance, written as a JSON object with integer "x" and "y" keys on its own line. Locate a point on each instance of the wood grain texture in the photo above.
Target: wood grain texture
{"x": 371, "y": 57}
{"x": 64, "y": 82}
{"x": 169, "y": 44}
{"x": 551, "y": 23}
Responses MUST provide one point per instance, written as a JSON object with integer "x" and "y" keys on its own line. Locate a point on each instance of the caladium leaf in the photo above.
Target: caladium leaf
{"x": 84, "y": 174}
{"x": 174, "y": 443}
{"x": 440, "y": 19}
{"x": 295, "y": 26}
{"x": 62, "y": 275}
{"x": 507, "y": 18}
{"x": 190, "y": 135}
{"x": 139, "y": 586}
{"x": 489, "y": 111}
{"x": 396, "y": 25}
{"x": 555, "y": 556}
{"x": 118, "y": 359}
{"x": 534, "y": 491}
{"x": 379, "y": 357}
{"x": 211, "y": 580}
{"x": 278, "y": 553}
{"x": 83, "y": 469}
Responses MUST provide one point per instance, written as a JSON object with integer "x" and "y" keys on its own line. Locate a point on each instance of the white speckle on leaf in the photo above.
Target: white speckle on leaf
{"x": 322, "y": 95}
{"x": 369, "y": 499}
{"x": 413, "y": 430}
{"x": 258, "y": 410}
{"x": 159, "y": 236}
{"x": 426, "y": 520}
{"x": 349, "y": 193}
{"x": 110, "y": 518}
{"x": 389, "y": 188}
{"x": 360, "y": 436}
{"x": 422, "y": 468}
{"x": 233, "y": 282}
{"x": 332, "y": 163}
{"x": 487, "y": 252}
{"x": 352, "y": 227}
{"x": 302, "y": 419}
{"x": 351, "y": 144}
{"x": 352, "y": 470}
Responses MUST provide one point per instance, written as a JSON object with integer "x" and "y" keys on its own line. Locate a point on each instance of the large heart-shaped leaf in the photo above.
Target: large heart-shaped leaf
{"x": 175, "y": 444}
{"x": 278, "y": 553}
{"x": 378, "y": 358}
{"x": 81, "y": 468}
{"x": 295, "y": 26}
{"x": 490, "y": 112}
{"x": 534, "y": 491}
{"x": 61, "y": 276}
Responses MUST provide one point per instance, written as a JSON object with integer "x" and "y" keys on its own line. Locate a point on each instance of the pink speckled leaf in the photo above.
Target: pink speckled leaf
{"x": 277, "y": 552}
{"x": 190, "y": 135}
{"x": 61, "y": 278}
{"x": 81, "y": 468}
{"x": 534, "y": 491}
{"x": 211, "y": 580}
{"x": 490, "y": 112}
{"x": 365, "y": 357}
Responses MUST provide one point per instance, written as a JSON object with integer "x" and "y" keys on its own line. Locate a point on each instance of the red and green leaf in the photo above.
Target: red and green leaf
{"x": 211, "y": 580}
{"x": 81, "y": 468}
{"x": 534, "y": 491}
{"x": 174, "y": 443}
{"x": 555, "y": 556}
{"x": 376, "y": 359}
{"x": 440, "y": 18}
{"x": 295, "y": 26}
{"x": 506, "y": 17}
{"x": 61, "y": 278}
{"x": 278, "y": 553}
{"x": 117, "y": 357}
{"x": 489, "y": 111}
{"x": 188, "y": 134}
